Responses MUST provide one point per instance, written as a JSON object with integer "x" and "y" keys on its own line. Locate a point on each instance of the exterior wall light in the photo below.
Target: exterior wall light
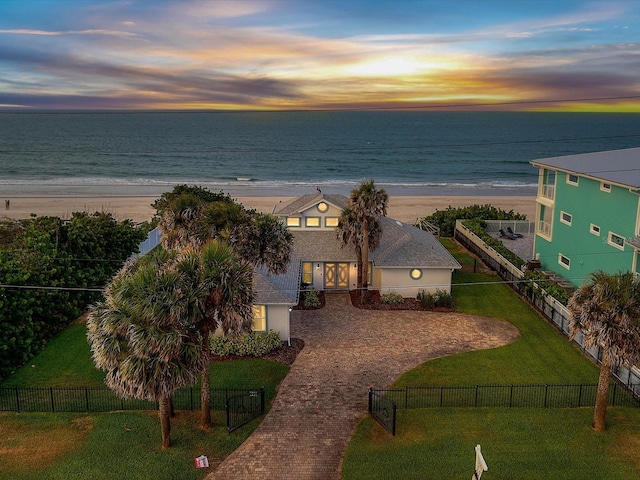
{"x": 415, "y": 273}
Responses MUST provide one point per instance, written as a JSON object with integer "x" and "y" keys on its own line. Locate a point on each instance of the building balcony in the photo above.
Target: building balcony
{"x": 548, "y": 191}
{"x": 543, "y": 228}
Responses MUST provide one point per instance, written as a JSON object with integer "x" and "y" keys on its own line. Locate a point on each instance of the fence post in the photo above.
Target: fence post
{"x": 615, "y": 390}
{"x": 370, "y": 398}
{"x": 86, "y": 397}
{"x": 511, "y": 396}
{"x": 441, "y": 395}
{"x": 18, "y": 399}
{"x": 475, "y": 404}
{"x": 406, "y": 396}
{"x": 546, "y": 390}
{"x": 53, "y": 405}
{"x": 580, "y": 396}
{"x": 261, "y": 399}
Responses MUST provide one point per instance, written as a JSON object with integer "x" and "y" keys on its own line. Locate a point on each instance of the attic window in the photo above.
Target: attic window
{"x": 323, "y": 207}
{"x": 293, "y": 221}
{"x": 572, "y": 179}
{"x": 415, "y": 273}
{"x": 605, "y": 187}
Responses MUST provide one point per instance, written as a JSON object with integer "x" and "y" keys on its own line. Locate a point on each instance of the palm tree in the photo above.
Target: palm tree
{"x": 606, "y": 310}
{"x": 223, "y": 284}
{"x": 143, "y": 334}
{"x": 367, "y": 204}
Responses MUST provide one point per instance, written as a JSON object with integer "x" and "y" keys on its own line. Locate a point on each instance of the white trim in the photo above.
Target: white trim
{"x": 566, "y": 265}
{"x": 594, "y": 229}
{"x": 615, "y": 244}
{"x": 605, "y": 187}
{"x": 565, "y": 221}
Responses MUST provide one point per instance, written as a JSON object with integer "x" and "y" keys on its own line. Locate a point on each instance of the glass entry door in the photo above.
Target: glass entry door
{"x": 336, "y": 275}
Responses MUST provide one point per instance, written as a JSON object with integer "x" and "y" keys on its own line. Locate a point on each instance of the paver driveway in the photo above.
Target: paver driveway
{"x": 347, "y": 350}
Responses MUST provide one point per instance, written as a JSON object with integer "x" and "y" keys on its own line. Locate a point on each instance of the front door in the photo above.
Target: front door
{"x": 336, "y": 275}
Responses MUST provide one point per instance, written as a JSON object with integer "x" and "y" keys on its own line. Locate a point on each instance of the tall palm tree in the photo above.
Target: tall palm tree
{"x": 143, "y": 334}
{"x": 368, "y": 205}
{"x": 223, "y": 284}
{"x": 349, "y": 233}
{"x": 606, "y": 310}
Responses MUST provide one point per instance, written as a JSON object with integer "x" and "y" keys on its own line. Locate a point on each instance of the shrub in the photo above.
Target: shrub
{"x": 536, "y": 282}
{"x": 391, "y": 298}
{"x": 446, "y": 219}
{"x": 310, "y": 298}
{"x": 440, "y": 299}
{"x": 250, "y": 344}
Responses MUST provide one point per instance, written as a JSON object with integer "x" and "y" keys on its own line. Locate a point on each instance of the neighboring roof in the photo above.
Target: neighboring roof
{"x": 401, "y": 245}
{"x": 621, "y": 167}
{"x": 273, "y": 289}
{"x": 298, "y": 205}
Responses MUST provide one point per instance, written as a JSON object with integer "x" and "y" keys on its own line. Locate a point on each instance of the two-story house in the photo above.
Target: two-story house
{"x": 588, "y": 213}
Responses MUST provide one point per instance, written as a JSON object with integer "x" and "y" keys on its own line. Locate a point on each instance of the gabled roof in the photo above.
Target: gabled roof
{"x": 621, "y": 167}
{"x": 273, "y": 289}
{"x": 300, "y": 204}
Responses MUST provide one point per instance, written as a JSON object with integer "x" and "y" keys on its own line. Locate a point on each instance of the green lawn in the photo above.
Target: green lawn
{"x": 517, "y": 443}
{"x": 123, "y": 445}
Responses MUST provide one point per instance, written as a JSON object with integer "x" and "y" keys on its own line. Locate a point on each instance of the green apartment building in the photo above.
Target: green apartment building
{"x": 588, "y": 214}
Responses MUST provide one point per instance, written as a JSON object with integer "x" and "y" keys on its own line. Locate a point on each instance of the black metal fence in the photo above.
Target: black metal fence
{"x": 383, "y": 409}
{"x": 243, "y": 408}
{"x": 550, "y": 308}
{"x": 101, "y": 399}
{"x": 503, "y": 396}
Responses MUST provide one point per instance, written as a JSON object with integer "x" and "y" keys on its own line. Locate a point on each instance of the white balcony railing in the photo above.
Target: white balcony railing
{"x": 544, "y": 228}
{"x": 548, "y": 191}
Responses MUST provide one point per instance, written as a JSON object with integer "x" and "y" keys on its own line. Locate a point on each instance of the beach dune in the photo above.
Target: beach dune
{"x": 138, "y": 208}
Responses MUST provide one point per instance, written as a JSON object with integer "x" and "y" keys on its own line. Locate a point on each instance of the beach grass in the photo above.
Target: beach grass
{"x": 521, "y": 443}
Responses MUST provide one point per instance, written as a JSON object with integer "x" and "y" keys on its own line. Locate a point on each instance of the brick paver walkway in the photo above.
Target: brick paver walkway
{"x": 347, "y": 350}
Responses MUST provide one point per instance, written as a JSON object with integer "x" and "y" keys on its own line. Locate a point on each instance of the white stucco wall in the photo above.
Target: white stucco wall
{"x": 399, "y": 281}
{"x": 278, "y": 320}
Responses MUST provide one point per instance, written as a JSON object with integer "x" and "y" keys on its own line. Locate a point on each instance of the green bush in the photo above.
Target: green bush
{"x": 250, "y": 344}
{"x": 391, "y": 298}
{"x": 310, "y": 298}
{"x": 440, "y": 299}
{"x": 446, "y": 219}
{"x": 536, "y": 282}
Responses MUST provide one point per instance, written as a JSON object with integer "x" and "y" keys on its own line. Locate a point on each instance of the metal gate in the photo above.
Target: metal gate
{"x": 383, "y": 410}
{"x": 244, "y": 408}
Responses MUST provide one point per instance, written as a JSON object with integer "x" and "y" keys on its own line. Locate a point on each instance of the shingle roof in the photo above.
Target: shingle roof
{"x": 404, "y": 245}
{"x": 401, "y": 245}
{"x": 273, "y": 289}
{"x": 300, "y": 204}
{"x": 621, "y": 167}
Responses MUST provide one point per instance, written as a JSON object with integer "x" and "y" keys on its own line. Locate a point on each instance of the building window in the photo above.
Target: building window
{"x": 331, "y": 221}
{"x": 322, "y": 207}
{"x": 595, "y": 229}
{"x": 566, "y": 218}
{"x": 259, "y": 323}
{"x": 616, "y": 241}
{"x": 564, "y": 261}
{"x": 572, "y": 179}
{"x": 307, "y": 273}
{"x": 415, "y": 273}
{"x": 293, "y": 221}
{"x": 605, "y": 187}
{"x": 312, "y": 222}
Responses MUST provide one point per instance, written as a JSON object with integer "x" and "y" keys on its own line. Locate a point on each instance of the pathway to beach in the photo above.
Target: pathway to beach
{"x": 347, "y": 350}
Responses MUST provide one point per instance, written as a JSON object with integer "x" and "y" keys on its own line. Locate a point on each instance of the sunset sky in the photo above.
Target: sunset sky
{"x": 320, "y": 54}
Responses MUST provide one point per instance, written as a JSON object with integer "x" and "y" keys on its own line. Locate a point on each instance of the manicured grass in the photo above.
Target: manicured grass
{"x": 123, "y": 445}
{"x": 517, "y": 443}
{"x": 66, "y": 362}
{"x": 110, "y": 445}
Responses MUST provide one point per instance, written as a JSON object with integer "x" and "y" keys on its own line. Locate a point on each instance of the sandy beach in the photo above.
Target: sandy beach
{"x": 138, "y": 208}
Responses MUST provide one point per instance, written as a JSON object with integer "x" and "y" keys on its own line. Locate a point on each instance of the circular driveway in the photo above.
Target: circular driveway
{"x": 347, "y": 350}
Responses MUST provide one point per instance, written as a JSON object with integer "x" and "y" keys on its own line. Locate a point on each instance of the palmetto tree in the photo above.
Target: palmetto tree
{"x": 224, "y": 284}
{"x": 143, "y": 334}
{"x": 367, "y": 205}
{"x": 606, "y": 310}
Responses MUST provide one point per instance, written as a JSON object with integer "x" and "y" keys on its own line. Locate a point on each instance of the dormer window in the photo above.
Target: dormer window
{"x": 323, "y": 207}
{"x": 293, "y": 221}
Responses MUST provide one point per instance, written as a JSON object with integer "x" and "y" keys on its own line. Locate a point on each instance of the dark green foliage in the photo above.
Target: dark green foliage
{"x": 253, "y": 344}
{"x": 440, "y": 299}
{"x": 536, "y": 282}
{"x": 83, "y": 252}
{"x": 310, "y": 298}
{"x": 446, "y": 219}
{"x": 478, "y": 226}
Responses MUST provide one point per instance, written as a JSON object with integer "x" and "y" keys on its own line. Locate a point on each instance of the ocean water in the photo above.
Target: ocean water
{"x": 294, "y": 152}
